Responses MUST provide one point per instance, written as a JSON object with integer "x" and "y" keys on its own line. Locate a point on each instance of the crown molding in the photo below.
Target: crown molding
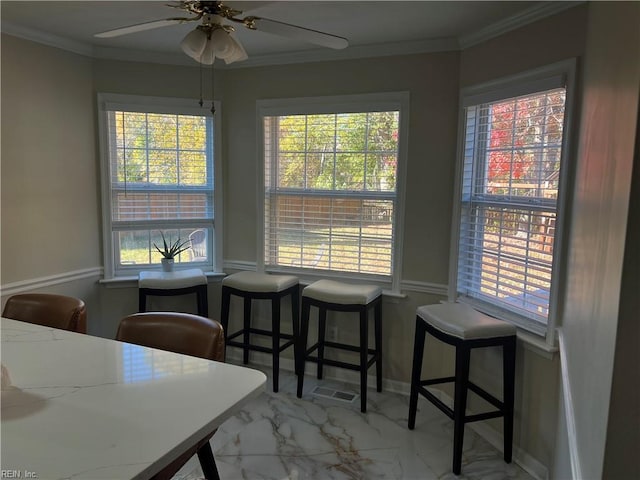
{"x": 530, "y": 15}
{"x": 537, "y": 12}
{"x": 351, "y": 53}
{"x": 128, "y": 55}
{"x": 305, "y": 56}
{"x": 48, "y": 39}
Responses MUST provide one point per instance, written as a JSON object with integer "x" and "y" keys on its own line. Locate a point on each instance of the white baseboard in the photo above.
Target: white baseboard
{"x": 526, "y": 461}
{"x": 22, "y": 286}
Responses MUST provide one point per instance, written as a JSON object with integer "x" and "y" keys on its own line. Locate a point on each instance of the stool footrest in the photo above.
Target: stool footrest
{"x": 437, "y": 381}
{"x": 436, "y": 401}
{"x": 448, "y": 411}
{"x": 483, "y": 416}
{"x": 340, "y": 346}
{"x": 259, "y": 348}
{"x": 257, "y": 331}
{"x": 487, "y": 396}
{"x": 472, "y": 386}
{"x": 345, "y": 346}
{"x": 338, "y": 363}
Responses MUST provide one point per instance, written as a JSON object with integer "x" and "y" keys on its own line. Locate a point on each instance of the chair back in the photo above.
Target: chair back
{"x": 198, "y": 240}
{"x": 175, "y": 332}
{"x": 58, "y": 311}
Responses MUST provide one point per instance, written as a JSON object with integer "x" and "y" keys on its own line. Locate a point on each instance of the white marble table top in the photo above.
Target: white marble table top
{"x": 77, "y": 406}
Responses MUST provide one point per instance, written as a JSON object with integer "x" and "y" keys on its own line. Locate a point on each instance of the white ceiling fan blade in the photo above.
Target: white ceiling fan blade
{"x": 300, "y": 33}
{"x": 141, "y": 27}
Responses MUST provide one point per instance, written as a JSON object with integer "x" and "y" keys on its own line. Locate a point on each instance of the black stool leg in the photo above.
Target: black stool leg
{"x": 460, "y": 404}
{"x": 416, "y": 371}
{"x": 247, "y": 333}
{"x": 378, "y": 334}
{"x": 302, "y": 349}
{"x": 509, "y": 375}
{"x": 364, "y": 356}
{"x": 224, "y": 314}
{"x": 202, "y": 300}
{"x": 275, "y": 338}
{"x": 322, "y": 326}
{"x": 142, "y": 301}
{"x": 208, "y": 462}
{"x": 295, "y": 320}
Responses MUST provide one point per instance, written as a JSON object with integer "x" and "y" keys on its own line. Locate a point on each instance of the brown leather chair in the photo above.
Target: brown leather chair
{"x": 50, "y": 310}
{"x": 186, "y": 334}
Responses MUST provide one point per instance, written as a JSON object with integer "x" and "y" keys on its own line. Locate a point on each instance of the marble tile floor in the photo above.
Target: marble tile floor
{"x": 280, "y": 437}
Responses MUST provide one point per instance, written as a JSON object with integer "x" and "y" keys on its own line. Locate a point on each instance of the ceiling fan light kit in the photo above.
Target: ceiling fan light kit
{"x": 212, "y": 40}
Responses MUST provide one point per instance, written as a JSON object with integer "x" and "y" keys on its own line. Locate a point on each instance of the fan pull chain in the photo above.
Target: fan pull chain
{"x": 201, "y": 102}
{"x": 213, "y": 108}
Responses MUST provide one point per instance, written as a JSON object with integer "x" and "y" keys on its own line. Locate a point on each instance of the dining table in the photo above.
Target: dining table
{"x": 77, "y": 406}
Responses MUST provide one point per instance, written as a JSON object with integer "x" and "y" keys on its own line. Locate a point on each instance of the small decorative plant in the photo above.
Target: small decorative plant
{"x": 172, "y": 249}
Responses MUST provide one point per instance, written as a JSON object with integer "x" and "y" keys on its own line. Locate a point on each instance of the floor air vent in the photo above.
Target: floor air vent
{"x": 334, "y": 394}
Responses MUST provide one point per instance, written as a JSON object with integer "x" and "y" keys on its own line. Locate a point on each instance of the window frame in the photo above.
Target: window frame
{"x": 529, "y": 82}
{"x": 331, "y": 105}
{"x": 108, "y": 102}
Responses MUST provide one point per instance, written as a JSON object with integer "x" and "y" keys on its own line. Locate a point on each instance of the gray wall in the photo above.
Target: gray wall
{"x": 50, "y": 199}
{"x": 50, "y": 191}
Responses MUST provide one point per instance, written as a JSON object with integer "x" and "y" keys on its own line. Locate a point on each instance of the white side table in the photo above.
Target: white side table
{"x": 180, "y": 282}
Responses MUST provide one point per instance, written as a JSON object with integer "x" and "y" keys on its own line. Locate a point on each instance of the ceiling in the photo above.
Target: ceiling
{"x": 372, "y": 27}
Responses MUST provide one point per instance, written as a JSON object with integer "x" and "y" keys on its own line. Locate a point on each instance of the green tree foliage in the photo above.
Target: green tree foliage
{"x": 349, "y": 151}
{"x": 160, "y": 149}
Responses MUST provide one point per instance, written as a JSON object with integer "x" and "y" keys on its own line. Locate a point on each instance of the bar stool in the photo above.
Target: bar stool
{"x": 254, "y": 286}
{"x": 342, "y": 297}
{"x": 179, "y": 282}
{"x": 465, "y": 328}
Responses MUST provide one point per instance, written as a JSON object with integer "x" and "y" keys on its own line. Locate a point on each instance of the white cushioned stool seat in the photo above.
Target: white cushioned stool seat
{"x": 172, "y": 280}
{"x": 259, "y": 282}
{"x": 462, "y": 321}
{"x": 180, "y": 282}
{"x": 341, "y": 293}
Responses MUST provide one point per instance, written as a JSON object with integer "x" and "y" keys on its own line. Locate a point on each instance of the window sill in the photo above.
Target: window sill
{"x": 131, "y": 281}
{"x": 537, "y": 344}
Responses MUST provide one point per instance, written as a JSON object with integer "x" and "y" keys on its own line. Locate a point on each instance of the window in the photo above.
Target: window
{"x": 332, "y": 176}
{"x": 158, "y": 179}
{"x": 511, "y": 178}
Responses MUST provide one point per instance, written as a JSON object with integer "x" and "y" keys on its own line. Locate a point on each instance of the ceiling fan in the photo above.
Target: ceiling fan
{"x": 214, "y": 36}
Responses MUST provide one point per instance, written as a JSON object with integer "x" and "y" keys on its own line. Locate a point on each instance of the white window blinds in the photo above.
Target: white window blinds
{"x": 509, "y": 202}
{"x": 331, "y": 191}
